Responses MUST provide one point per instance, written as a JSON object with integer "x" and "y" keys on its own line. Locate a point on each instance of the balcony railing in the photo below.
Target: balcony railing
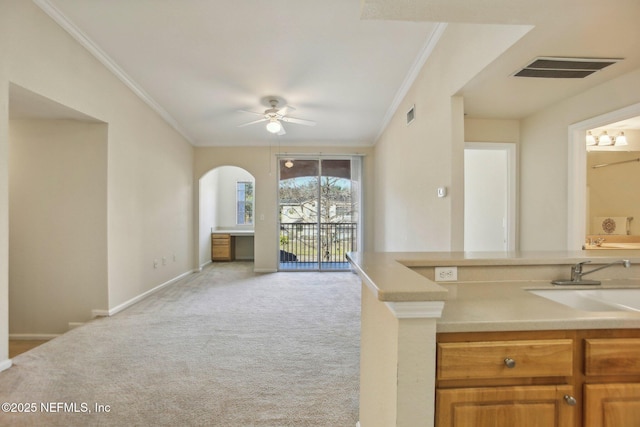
{"x": 301, "y": 242}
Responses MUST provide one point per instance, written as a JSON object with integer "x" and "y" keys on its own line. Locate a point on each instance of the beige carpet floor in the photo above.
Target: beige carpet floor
{"x": 224, "y": 347}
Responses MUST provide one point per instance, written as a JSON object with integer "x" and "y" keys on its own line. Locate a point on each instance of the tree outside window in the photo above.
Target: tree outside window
{"x": 244, "y": 202}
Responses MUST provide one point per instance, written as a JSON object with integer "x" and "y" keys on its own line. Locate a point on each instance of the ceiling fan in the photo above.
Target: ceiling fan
{"x": 274, "y": 117}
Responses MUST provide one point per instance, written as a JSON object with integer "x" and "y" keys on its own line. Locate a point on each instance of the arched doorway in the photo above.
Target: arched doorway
{"x": 227, "y": 200}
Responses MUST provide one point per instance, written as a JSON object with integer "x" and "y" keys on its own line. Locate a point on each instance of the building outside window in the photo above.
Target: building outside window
{"x": 244, "y": 203}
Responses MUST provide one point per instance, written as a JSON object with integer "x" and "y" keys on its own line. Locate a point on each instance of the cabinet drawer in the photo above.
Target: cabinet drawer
{"x": 220, "y": 239}
{"x": 505, "y": 359}
{"x": 612, "y": 356}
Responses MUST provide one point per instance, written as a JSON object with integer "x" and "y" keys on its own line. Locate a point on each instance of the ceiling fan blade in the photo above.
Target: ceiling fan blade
{"x": 284, "y": 110}
{"x": 250, "y": 112}
{"x": 252, "y": 123}
{"x": 298, "y": 121}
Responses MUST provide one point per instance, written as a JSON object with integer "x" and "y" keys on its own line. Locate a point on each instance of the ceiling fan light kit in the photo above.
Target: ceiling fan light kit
{"x": 274, "y": 117}
{"x": 274, "y": 125}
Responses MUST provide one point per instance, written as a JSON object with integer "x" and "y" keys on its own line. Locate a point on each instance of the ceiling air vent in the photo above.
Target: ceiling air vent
{"x": 564, "y": 68}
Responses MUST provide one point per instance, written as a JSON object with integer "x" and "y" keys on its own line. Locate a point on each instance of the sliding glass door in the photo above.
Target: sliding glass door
{"x": 319, "y": 202}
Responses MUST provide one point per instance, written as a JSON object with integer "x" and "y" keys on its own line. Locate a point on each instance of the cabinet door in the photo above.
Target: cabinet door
{"x": 612, "y": 405}
{"x": 522, "y": 406}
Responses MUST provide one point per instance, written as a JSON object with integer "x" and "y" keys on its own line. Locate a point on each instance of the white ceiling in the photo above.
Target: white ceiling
{"x": 198, "y": 62}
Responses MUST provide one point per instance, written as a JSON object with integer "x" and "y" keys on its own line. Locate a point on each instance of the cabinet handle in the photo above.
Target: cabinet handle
{"x": 509, "y": 362}
{"x": 571, "y": 401}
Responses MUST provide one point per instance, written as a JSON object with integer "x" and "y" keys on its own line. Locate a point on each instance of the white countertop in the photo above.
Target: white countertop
{"x": 389, "y": 274}
{"x": 490, "y": 306}
{"x": 234, "y": 232}
{"x": 508, "y": 306}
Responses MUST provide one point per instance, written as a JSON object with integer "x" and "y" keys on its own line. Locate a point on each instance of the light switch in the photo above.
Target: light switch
{"x": 442, "y": 191}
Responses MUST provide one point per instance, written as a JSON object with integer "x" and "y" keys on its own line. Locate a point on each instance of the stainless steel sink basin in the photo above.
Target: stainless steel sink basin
{"x": 594, "y": 299}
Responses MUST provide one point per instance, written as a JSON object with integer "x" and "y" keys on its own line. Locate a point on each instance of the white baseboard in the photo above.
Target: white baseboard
{"x": 203, "y": 266}
{"x": 33, "y": 337}
{"x": 99, "y": 313}
{"x": 358, "y": 424}
{"x": 5, "y": 364}
{"x": 265, "y": 270}
{"x": 73, "y": 325}
{"x": 140, "y": 297}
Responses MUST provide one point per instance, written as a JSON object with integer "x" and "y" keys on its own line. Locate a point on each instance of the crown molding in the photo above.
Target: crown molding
{"x": 75, "y": 32}
{"x": 412, "y": 75}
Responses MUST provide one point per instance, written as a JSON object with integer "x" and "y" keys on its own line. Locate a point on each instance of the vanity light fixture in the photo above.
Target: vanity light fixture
{"x": 605, "y": 139}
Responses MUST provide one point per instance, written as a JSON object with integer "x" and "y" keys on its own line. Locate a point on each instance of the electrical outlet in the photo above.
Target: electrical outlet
{"x": 155, "y": 263}
{"x": 446, "y": 274}
{"x": 164, "y": 260}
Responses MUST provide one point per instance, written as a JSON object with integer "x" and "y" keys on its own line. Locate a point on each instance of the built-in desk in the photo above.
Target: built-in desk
{"x": 231, "y": 244}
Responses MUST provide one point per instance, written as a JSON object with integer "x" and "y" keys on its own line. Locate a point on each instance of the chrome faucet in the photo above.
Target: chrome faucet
{"x": 577, "y": 273}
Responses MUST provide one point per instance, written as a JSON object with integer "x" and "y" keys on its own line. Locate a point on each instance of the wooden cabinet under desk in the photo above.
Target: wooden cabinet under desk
{"x": 222, "y": 247}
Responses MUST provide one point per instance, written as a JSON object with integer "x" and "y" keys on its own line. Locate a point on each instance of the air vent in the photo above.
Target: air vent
{"x": 564, "y": 68}
{"x": 411, "y": 114}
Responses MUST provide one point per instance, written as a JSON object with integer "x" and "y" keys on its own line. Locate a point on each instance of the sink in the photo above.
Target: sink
{"x": 594, "y": 299}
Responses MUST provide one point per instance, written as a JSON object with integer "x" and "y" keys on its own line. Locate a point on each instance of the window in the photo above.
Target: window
{"x": 244, "y": 203}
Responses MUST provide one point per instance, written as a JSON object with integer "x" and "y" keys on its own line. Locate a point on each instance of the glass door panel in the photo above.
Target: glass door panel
{"x": 318, "y": 214}
{"x": 337, "y": 230}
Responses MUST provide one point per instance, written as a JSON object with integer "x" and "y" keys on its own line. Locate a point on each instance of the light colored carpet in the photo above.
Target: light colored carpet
{"x": 224, "y": 347}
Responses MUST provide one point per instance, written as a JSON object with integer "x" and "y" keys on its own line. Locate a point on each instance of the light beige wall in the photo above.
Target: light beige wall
{"x": 150, "y": 165}
{"x": 412, "y": 161}
{"x": 544, "y": 159}
{"x": 58, "y": 224}
{"x": 491, "y": 130}
{"x": 261, "y": 162}
{"x": 207, "y": 218}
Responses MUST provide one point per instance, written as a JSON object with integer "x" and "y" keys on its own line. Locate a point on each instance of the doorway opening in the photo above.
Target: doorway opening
{"x": 318, "y": 212}
{"x": 226, "y": 208}
{"x": 489, "y": 197}
{"x": 577, "y": 207}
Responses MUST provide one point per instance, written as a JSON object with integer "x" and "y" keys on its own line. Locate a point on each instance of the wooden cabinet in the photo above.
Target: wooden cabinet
{"x": 485, "y": 381}
{"x": 612, "y": 405}
{"x": 522, "y": 406}
{"x": 583, "y": 378}
{"x": 222, "y": 247}
{"x": 611, "y": 398}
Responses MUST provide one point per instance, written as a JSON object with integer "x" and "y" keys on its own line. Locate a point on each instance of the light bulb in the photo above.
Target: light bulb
{"x": 605, "y": 139}
{"x": 591, "y": 140}
{"x": 274, "y": 126}
{"x": 621, "y": 139}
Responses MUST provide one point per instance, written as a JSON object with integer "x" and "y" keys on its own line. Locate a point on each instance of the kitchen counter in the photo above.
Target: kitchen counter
{"x": 508, "y": 306}
{"x": 391, "y": 276}
{"x": 403, "y": 309}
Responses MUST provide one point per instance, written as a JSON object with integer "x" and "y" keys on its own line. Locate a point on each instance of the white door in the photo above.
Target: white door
{"x": 489, "y": 202}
